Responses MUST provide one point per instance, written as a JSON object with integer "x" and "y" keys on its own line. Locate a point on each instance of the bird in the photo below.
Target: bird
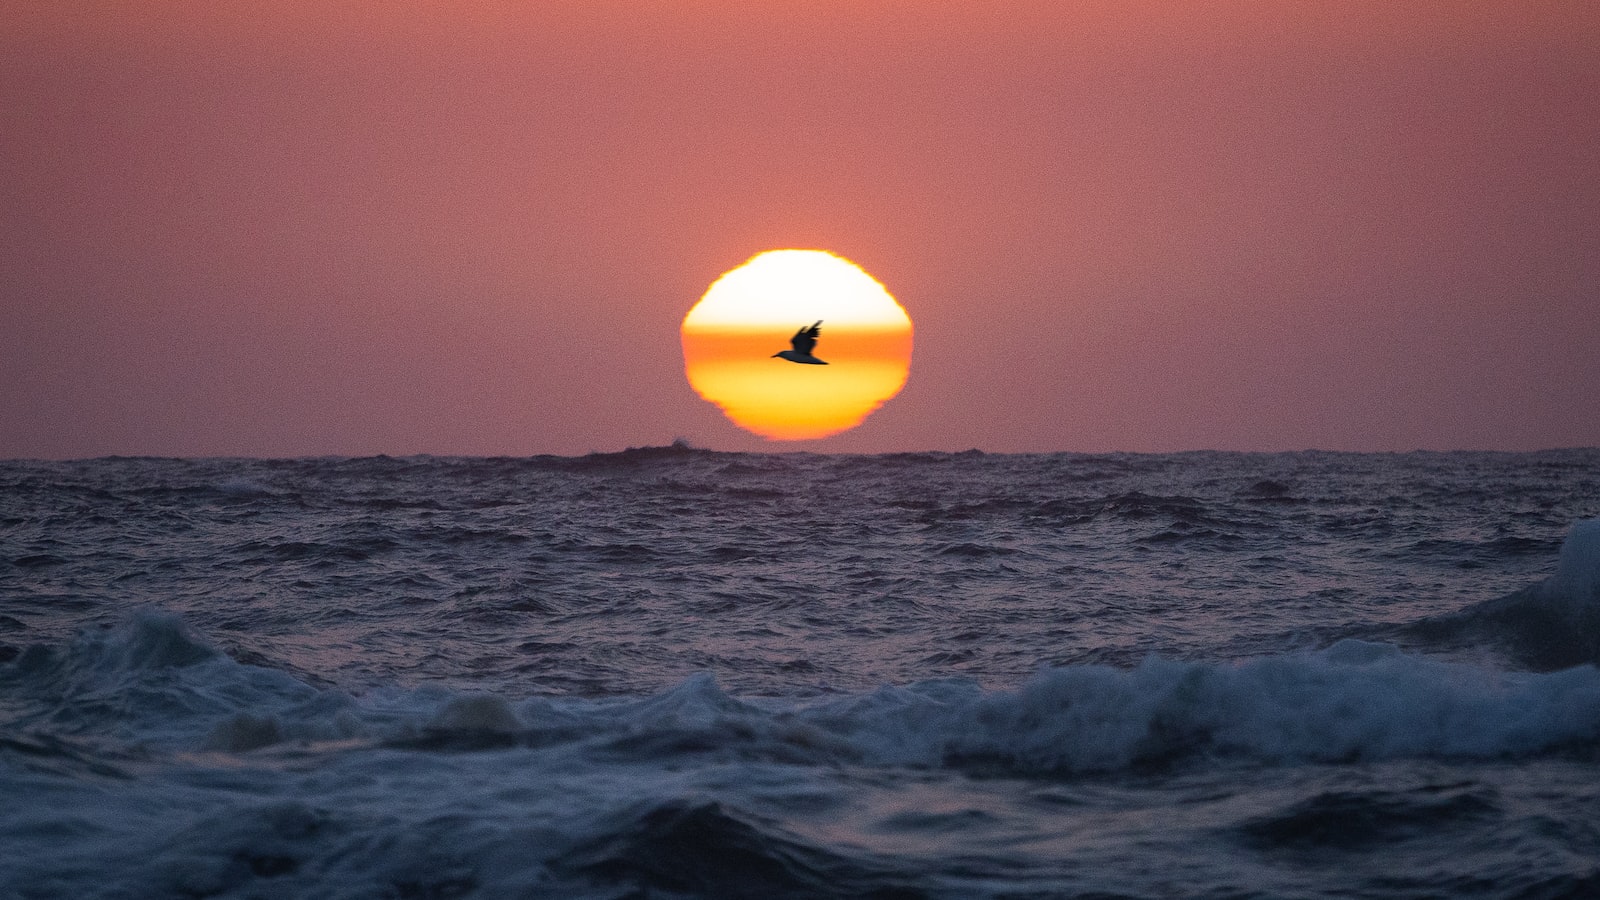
{"x": 803, "y": 342}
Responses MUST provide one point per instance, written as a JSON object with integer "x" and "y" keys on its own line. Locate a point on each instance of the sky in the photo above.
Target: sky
{"x": 310, "y": 228}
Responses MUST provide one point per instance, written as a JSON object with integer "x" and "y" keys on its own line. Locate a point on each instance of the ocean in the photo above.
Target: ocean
{"x": 677, "y": 673}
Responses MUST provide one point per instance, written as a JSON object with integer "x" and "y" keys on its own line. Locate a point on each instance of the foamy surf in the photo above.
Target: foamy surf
{"x": 153, "y": 681}
{"x": 677, "y": 673}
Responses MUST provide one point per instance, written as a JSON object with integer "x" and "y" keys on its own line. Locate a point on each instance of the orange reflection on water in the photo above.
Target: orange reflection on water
{"x": 785, "y": 401}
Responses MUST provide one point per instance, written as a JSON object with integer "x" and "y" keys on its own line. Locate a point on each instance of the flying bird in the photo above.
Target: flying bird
{"x": 803, "y": 342}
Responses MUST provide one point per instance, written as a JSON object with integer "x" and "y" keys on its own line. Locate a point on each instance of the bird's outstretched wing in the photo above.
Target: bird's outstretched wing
{"x": 805, "y": 340}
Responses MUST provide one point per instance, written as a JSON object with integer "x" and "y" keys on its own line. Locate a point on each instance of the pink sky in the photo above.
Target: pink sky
{"x": 384, "y": 227}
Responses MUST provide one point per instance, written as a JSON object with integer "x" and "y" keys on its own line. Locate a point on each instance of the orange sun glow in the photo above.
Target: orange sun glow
{"x": 751, "y": 313}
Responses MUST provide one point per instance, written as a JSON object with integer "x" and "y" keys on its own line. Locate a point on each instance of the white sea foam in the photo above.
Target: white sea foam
{"x": 1353, "y": 701}
{"x": 1578, "y": 572}
{"x": 476, "y": 677}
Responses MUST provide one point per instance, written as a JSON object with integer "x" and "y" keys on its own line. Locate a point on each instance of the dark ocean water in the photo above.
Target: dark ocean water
{"x": 678, "y": 673}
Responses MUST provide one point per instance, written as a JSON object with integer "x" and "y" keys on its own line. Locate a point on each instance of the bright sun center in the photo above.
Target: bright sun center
{"x": 731, "y": 339}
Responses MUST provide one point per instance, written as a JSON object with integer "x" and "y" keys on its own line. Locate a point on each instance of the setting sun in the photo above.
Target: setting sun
{"x": 750, "y": 314}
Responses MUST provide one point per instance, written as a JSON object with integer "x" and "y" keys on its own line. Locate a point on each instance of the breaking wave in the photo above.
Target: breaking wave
{"x": 152, "y": 681}
{"x": 1551, "y": 625}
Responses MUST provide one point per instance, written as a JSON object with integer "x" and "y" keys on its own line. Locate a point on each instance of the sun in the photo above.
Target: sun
{"x": 731, "y": 337}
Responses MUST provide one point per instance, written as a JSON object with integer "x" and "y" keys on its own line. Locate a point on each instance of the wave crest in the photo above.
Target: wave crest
{"x": 1552, "y": 625}
{"x": 1353, "y": 701}
{"x": 149, "y": 680}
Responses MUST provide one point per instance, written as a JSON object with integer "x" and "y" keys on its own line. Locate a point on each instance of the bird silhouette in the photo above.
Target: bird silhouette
{"x": 803, "y": 342}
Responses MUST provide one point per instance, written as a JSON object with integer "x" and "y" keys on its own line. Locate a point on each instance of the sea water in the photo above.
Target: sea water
{"x": 671, "y": 672}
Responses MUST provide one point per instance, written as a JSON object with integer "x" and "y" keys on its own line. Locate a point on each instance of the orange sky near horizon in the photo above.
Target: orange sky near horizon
{"x": 401, "y": 227}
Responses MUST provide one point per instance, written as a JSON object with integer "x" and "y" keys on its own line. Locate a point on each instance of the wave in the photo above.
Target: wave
{"x": 1366, "y": 820}
{"x": 1354, "y": 701}
{"x": 147, "y": 679}
{"x": 1548, "y": 626}
{"x": 153, "y": 682}
{"x": 707, "y": 849}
